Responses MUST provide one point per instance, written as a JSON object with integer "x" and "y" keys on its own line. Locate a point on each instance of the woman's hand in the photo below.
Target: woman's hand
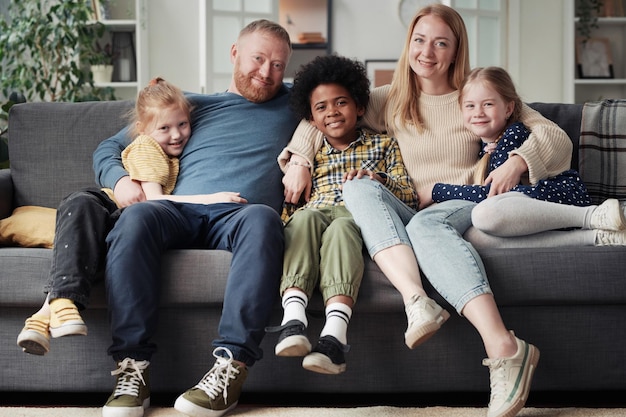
{"x": 506, "y": 176}
{"x": 128, "y": 192}
{"x": 297, "y": 181}
{"x": 425, "y": 195}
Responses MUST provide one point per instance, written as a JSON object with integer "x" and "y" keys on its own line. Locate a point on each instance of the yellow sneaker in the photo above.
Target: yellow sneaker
{"x": 65, "y": 320}
{"x": 35, "y": 336}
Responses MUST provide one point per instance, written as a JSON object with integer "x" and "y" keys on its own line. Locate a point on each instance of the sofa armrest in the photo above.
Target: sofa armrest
{"x": 6, "y": 193}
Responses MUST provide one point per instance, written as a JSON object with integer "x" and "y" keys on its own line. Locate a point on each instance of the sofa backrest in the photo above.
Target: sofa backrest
{"x": 51, "y": 147}
{"x": 568, "y": 117}
{"x": 51, "y": 144}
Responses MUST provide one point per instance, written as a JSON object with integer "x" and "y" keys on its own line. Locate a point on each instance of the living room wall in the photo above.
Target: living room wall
{"x": 371, "y": 29}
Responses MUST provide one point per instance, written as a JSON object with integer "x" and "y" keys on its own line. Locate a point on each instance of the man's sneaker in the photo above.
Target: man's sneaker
{"x": 610, "y": 238}
{"x": 327, "y": 357}
{"x": 65, "y": 320}
{"x": 218, "y": 391}
{"x": 510, "y": 380}
{"x": 132, "y": 391}
{"x": 292, "y": 340}
{"x": 425, "y": 317}
{"x": 608, "y": 216}
{"x": 35, "y": 336}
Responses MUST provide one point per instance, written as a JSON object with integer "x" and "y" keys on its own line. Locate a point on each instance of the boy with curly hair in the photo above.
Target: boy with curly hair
{"x": 322, "y": 242}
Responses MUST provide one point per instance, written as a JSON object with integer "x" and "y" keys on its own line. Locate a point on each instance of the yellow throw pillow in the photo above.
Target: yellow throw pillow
{"x": 29, "y": 226}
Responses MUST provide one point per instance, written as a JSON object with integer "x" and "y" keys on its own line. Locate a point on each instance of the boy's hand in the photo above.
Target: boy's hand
{"x": 360, "y": 173}
{"x": 425, "y": 195}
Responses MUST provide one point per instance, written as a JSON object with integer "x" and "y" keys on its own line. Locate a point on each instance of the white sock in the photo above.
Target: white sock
{"x": 337, "y": 318}
{"x": 294, "y": 306}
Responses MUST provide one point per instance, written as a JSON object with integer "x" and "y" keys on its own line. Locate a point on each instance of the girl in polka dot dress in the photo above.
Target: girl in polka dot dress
{"x": 490, "y": 108}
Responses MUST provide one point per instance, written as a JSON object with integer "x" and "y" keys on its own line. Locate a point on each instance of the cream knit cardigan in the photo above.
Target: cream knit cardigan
{"x": 445, "y": 151}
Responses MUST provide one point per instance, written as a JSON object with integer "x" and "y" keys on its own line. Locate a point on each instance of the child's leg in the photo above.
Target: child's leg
{"x": 35, "y": 336}
{"x": 300, "y": 273}
{"x": 341, "y": 270}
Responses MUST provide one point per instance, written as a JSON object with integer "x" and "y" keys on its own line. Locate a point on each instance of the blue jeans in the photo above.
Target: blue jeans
{"x": 448, "y": 261}
{"x": 144, "y": 231}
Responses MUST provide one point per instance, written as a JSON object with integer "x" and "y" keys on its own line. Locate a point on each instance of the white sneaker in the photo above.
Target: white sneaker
{"x": 510, "y": 380}
{"x": 610, "y": 238}
{"x": 608, "y": 216}
{"x": 425, "y": 317}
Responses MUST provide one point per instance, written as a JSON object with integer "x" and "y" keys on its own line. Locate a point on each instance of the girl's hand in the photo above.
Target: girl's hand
{"x": 221, "y": 197}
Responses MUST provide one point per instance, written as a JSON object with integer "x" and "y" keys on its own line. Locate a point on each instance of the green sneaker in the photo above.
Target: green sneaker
{"x": 217, "y": 392}
{"x": 510, "y": 380}
{"x": 132, "y": 391}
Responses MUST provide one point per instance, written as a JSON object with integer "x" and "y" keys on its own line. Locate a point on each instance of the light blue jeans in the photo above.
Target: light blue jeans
{"x": 448, "y": 261}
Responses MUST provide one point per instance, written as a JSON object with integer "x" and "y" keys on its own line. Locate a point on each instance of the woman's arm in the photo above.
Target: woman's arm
{"x": 548, "y": 150}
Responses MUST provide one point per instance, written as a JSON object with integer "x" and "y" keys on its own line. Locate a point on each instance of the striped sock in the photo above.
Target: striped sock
{"x": 337, "y": 320}
{"x": 294, "y": 306}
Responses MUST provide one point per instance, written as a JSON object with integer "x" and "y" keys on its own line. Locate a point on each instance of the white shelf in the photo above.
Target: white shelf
{"x": 580, "y": 90}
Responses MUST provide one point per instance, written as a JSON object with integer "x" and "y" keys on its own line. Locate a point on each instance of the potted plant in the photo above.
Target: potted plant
{"x": 45, "y": 49}
{"x": 587, "y": 12}
{"x": 102, "y": 63}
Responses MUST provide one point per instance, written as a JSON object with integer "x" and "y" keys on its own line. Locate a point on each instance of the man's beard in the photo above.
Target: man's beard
{"x": 255, "y": 94}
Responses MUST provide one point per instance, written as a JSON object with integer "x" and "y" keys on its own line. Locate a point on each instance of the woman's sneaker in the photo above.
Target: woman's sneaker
{"x": 35, "y": 336}
{"x": 292, "y": 341}
{"x": 65, "y": 320}
{"x": 510, "y": 380}
{"x": 425, "y": 317}
{"x": 327, "y": 357}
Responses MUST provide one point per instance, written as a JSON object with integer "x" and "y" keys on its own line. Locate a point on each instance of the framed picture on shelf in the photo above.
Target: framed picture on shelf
{"x": 593, "y": 58}
{"x": 380, "y": 71}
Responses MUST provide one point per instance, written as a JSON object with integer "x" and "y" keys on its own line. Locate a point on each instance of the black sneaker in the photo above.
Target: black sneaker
{"x": 327, "y": 357}
{"x": 292, "y": 340}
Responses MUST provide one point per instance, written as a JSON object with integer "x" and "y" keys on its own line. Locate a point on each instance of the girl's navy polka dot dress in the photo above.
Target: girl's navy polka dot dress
{"x": 565, "y": 188}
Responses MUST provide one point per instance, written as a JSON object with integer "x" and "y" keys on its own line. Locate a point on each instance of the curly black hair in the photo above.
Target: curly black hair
{"x": 328, "y": 69}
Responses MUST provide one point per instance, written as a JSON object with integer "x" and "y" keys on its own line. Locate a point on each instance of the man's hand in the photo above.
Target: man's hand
{"x": 128, "y": 192}
{"x": 297, "y": 181}
{"x": 506, "y": 176}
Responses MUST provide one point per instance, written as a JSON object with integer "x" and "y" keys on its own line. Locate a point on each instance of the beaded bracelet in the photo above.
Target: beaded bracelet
{"x": 301, "y": 164}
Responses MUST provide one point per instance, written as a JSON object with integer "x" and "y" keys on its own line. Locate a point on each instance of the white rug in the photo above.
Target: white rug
{"x": 253, "y": 411}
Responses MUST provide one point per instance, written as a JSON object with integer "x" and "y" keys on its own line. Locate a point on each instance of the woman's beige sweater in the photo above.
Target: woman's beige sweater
{"x": 445, "y": 151}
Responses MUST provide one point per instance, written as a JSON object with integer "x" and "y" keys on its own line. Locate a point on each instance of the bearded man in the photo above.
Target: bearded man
{"x": 236, "y": 137}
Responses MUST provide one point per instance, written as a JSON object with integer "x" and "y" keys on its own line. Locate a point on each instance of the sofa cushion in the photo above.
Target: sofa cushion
{"x": 29, "y": 226}
{"x": 602, "y": 150}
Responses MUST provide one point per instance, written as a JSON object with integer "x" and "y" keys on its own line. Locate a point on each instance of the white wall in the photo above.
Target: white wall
{"x": 369, "y": 29}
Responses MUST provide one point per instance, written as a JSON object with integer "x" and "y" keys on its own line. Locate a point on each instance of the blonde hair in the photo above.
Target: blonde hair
{"x": 499, "y": 81}
{"x": 402, "y": 105}
{"x": 269, "y": 27}
{"x": 152, "y": 99}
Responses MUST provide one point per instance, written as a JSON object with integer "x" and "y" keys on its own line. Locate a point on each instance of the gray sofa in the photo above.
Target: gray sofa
{"x": 569, "y": 302}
